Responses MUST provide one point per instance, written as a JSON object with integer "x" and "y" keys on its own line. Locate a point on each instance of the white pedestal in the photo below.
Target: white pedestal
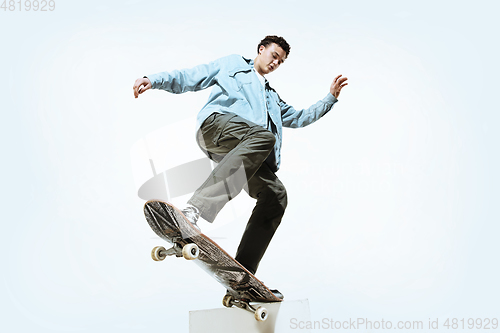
{"x": 229, "y": 320}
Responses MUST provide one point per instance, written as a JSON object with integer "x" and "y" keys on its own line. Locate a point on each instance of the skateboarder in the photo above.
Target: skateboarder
{"x": 240, "y": 128}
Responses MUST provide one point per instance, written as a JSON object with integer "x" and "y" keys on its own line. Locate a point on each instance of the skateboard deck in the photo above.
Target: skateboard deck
{"x": 170, "y": 224}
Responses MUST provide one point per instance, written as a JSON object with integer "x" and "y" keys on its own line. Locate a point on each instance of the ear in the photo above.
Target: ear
{"x": 261, "y": 48}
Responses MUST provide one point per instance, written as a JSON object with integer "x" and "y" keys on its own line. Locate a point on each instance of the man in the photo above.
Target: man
{"x": 240, "y": 128}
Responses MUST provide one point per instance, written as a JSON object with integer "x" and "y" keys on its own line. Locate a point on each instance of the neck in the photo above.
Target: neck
{"x": 255, "y": 65}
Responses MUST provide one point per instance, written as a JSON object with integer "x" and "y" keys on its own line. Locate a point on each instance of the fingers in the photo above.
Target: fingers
{"x": 140, "y": 86}
{"x": 339, "y": 80}
{"x": 136, "y": 88}
{"x": 338, "y": 83}
{"x": 342, "y": 80}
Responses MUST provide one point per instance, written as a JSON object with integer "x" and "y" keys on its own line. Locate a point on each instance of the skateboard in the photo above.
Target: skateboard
{"x": 243, "y": 287}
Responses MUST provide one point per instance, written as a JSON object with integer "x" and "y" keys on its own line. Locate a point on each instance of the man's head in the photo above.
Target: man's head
{"x": 277, "y": 40}
{"x": 272, "y": 52}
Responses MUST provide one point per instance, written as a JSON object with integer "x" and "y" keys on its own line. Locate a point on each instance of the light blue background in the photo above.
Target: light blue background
{"x": 393, "y": 196}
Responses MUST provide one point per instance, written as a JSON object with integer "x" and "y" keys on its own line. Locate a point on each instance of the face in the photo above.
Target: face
{"x": 269, "y": 58}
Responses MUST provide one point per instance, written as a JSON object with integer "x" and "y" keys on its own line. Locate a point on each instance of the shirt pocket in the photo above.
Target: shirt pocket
{"x": 241, "y": 78}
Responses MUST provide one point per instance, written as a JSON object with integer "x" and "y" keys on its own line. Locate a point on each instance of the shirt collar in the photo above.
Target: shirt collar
{"x": 250, "y": 63}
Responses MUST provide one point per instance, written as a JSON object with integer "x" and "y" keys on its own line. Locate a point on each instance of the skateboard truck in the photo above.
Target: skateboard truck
{"x": 260, "y": 313}
{"x": 189, "y": 251}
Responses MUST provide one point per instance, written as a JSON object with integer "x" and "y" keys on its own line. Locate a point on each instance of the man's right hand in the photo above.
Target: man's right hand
{"x": 141, "y": 85}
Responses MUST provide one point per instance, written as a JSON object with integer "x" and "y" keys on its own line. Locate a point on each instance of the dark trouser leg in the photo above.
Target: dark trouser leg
{"x": 240, "y": 147}
{"x": 266, "y": 217}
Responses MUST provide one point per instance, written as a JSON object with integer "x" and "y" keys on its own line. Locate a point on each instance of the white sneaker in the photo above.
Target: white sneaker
{"x": 192, "y": 214}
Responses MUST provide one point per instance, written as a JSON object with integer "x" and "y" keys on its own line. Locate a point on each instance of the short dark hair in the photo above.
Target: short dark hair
{"x": 275, "y": 39}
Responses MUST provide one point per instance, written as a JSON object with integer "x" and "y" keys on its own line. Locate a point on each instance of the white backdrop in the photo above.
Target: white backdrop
{"x": 397, "y": 187}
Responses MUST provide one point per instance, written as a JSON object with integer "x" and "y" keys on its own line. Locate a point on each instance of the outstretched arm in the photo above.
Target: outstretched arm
{"x": 300, "y": 118}
{"x": 179, "y": 81}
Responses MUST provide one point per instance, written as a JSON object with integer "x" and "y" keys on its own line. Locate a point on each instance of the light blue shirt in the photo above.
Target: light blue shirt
{"x": 236, "y": 89}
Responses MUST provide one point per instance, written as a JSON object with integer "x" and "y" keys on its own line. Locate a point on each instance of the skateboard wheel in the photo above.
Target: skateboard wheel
{"x": 227, "y": 301}
{"x": 261, "y": 313}
{"x": 190, "y": 251}
{"x": 158, "y": 253}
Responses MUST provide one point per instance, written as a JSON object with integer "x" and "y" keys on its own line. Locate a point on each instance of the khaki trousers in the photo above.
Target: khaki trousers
{"x": 241, "y": 148}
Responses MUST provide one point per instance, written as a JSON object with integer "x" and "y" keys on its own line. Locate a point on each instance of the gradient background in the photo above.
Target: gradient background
{"x": 393, "y": 195}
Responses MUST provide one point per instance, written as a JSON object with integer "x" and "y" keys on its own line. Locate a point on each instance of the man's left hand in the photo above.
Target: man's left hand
{"x": 337, "y": 85}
